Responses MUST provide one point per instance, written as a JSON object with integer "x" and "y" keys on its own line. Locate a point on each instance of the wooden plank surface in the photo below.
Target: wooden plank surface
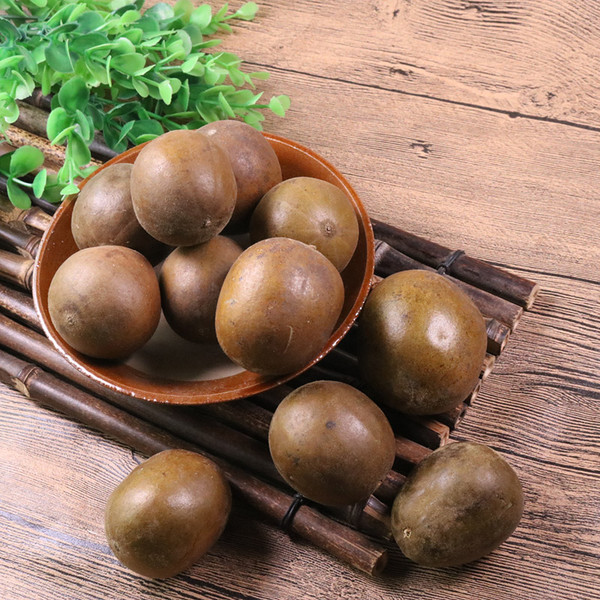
{"x": 436, "y": 152}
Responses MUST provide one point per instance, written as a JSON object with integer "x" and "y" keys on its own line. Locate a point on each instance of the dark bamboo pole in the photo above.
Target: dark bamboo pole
{"x": 499, "y": 282}
{"x": 344, "y": 543}
{"x": 26, "y": 243}
{"x": 388, "y": 260}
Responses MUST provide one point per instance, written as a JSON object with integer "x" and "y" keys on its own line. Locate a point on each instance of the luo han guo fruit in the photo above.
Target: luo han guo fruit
{"x": 103, "y": 215}
{"x": 183, "y": 188}
{"x": 254, "y": 163}
{"x": 331, "y": 443}
{"x": 313, "y": 211}
{"x": 190, "y": 281}
{"x": 422, "y": 342}
{"x": 278, "y": 306}
{"x": 167, "y": 513}
{"x": 458, "y": 505}
{"x": 105, "y": 301}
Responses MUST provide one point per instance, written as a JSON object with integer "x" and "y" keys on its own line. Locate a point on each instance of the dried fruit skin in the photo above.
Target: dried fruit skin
{"x": 459, "y": 504}
{"x": 422, "y": 343}
{"x": 167, "y": 513}
{"x": 278, "y": 306}
{"x": 105, "y": 301}
{"x": 331, "y": 443}
{"x": 183, "y": 188}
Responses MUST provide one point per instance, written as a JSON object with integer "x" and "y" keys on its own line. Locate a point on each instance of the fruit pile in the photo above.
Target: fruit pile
{"x": 271, "y": 307}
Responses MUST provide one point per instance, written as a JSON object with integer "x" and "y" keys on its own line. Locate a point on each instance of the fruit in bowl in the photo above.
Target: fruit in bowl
{"x": 154, "y": 371}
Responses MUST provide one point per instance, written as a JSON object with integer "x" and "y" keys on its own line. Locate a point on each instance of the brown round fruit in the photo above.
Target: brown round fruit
{"x": 183, "y": 188}
{"x": 167, "y": 513}
{"x": 313, "y": 211}
{"x": 254, "y": 162}
{"x": 278, "y": 306}
{"x": 459, "y": 504}
{"x": 422, "y": 342}
{"x": 331, "y": 443}
{"x": 105, "y": 301}
{"x": 190, "y": 281}
{"x": 103, "y": 215}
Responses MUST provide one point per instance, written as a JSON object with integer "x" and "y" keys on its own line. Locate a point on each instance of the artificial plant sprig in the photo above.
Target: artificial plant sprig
{"x": 126, "y": 73}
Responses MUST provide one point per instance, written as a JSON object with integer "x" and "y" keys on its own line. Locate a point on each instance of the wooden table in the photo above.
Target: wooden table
{"x": 476, "y": 125}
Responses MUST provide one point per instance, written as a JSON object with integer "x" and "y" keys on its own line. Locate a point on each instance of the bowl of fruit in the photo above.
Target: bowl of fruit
{"x": 204, "y": 266}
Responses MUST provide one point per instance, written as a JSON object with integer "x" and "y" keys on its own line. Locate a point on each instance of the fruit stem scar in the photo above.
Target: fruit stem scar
{"x": 406, "y": 532}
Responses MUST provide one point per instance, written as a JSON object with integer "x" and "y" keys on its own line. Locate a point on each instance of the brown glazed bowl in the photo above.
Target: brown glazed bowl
{"x": 169, "y": 369}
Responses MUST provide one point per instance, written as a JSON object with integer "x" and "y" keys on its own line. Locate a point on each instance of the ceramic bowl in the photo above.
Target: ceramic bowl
{"x": 169, "y": 369}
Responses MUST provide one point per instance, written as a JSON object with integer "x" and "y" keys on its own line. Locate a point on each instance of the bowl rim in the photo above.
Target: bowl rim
{"x": 187, "y": 392}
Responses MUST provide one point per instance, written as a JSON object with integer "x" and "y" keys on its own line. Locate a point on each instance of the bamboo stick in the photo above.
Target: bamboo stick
{"x": 339, "y": 540}
{"x": 26, "y": 243}
{"x": 388, "y": 260}
{"x": 16, "y": 269}
{"x": 504, "y": 284}
{"x": 33, "y": 118}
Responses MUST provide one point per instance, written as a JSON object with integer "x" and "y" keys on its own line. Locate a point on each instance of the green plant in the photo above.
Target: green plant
{"x": 115, "y": 69}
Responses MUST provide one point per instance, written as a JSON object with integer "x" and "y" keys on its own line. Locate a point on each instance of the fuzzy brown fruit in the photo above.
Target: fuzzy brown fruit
{"x": 422, "y": 342}
{"x": 167, "y": 513}
{"x": 105, "y": 301}
{"x": 254, "y": 162}
{"x": 459, "y": 504}
{"x": 190, "y": 281}
{"x": 183, "y": 188}
{"x": 103, "y": 215}
{"x": 278, "y": 306}
{"x": 331, "y": 443}
{"x": 313, "y": 211}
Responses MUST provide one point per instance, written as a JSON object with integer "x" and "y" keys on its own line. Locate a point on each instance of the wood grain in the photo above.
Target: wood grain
{"x": 533, "y": 59}
{"x": 474, "y": 124}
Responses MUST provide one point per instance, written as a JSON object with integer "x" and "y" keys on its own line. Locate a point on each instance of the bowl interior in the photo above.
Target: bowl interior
{"x": 169, "y": 369}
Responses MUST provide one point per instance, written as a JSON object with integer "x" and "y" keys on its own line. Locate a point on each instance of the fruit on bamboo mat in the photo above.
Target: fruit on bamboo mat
{"x": 190, "y": 281}
{"x": 167, "y": 513}
{"x": 459, "y": 504}
{"x": 104, "y": 215}
{"x": 105, "y": 301}
{"x": 422, "y": 343}
{"x": 311, "y": 210}
{"x": 254, "y": 163}
{"x": 183, "y": 188}
{"x": 331, "y": 443}
{"x": 278, "y": 306}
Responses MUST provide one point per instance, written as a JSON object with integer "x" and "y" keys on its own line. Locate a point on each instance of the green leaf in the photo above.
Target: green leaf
{"x": 129, "y": 63}
{"x": 58, "y": 59}
{"x": 279, "y": 104}
{"x": 8, "y": 32}
{"x": 16, "y": 195}
{"x": 123, "y": 46}
{"x": 190, "y": 63}
{"x": 125, "y": 131}
{"x": 225, "y": 105}
{"x": 10, "y": 61}
{"x": 202, "y": 16}
{"x": 86, "y": 125}
{"x": 97, "y": 71}
{"x": 161, "y": 11}
{"x": 25, "y": 86}
{"x": 89, "y": 21}
{"x": 166, "y": 91}
{"x": 70, "y": 188}
{"x": 129, "y": 17}
{"x": 246, "y": 12}
{"x": 9, "y": 111}
{"x": 58, "y": 121}
{"x": 24, "y": 160}
{"x": 86, "y": 43}
{"x": 79, "y": 150}
{"x": 39, "y": 183}
{"x": 134, "y": 35}
{"x": 146, "y": 126}
{"x": 62, "y": 135}
{"x": 140, "y": 87}
{"x": 74, "y": 94}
